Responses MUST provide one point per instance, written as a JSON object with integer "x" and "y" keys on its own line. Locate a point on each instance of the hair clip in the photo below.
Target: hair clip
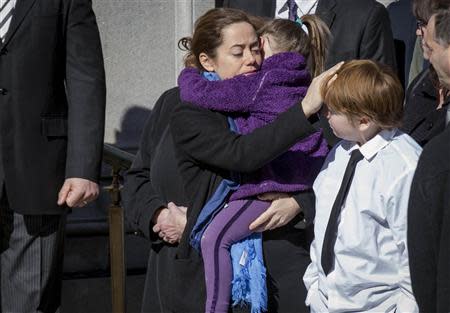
{"x": 303, "y": 26}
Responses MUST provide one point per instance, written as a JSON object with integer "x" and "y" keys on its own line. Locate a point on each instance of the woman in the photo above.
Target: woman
{"x": 175, "y": 279}
{"x": 208, "y": 152}
{"x": 425, "y": 108}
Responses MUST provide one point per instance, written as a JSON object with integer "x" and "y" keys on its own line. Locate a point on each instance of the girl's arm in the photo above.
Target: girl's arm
{"x": 229, "y": 95}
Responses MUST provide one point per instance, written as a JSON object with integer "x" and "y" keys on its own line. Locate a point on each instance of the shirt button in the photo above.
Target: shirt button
{"x": 3, "y": 91}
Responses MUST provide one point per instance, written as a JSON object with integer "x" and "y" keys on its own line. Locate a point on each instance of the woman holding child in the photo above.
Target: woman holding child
{"x": 209, "y": 153}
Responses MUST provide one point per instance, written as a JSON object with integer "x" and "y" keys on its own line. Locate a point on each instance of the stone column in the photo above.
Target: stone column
{"x": 142, "y": 60}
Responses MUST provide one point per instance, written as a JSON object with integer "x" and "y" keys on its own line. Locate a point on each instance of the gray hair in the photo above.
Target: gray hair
{"x": 442, "y": 27}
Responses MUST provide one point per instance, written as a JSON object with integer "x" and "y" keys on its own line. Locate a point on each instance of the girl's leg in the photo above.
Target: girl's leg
{"x": 228, "y": 227}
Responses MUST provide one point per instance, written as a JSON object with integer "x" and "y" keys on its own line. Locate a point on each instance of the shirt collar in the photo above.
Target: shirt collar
{"x": 374, "y": 145}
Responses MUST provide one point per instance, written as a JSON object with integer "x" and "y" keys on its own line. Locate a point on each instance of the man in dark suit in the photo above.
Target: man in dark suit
{"x": 52, "y": 104}
{"x": 360, "y": 28}
{"x": 429, "y": 203}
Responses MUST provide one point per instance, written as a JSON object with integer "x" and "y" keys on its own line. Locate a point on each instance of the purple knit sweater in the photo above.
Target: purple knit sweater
{"x": 258, "y": 98}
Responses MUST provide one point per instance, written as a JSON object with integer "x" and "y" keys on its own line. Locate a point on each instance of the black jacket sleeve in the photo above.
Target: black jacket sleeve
{"x": 203, "y": 136}
{"x": 140, "y": 199}
{"x": 86, "y": 91}
{"x": 307, "y": 202}
{"x": 377, "y": 41}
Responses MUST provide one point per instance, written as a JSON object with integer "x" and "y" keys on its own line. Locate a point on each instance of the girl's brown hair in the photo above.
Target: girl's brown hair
{"x": 208, "y": 34}
{"x": 289, "y": 36}
{"x": 366, "y": 88}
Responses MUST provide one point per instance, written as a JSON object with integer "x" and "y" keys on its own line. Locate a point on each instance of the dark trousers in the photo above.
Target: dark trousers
{"x": 31, "y": 255}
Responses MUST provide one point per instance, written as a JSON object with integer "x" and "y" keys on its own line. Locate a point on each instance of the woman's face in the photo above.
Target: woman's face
{"x": 239, "y": 52}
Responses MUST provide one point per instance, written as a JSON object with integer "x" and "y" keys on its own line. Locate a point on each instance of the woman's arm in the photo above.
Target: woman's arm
{"x": 229, "y": 95}
{"x": 141, "y": 201}
{"x": 205, "y": 136}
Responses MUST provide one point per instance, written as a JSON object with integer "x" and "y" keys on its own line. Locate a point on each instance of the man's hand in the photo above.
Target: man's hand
{"x": 77, "y": 192}
{"x": 280, "y": 212}
{"x": 170, "y": 223}
{"x": 313, "y": 100}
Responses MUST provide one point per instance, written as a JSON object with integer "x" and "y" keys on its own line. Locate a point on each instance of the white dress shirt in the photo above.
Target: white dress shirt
{"x": 5, "y": 7}
{"x": 371, "y": 272}
{"x": 304, "y": 7}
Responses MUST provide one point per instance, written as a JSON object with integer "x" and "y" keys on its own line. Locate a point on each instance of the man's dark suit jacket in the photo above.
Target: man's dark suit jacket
{"x": 52, "y": 101}
{"x": 360, "y": 28}
{"x": 429, "y": 226}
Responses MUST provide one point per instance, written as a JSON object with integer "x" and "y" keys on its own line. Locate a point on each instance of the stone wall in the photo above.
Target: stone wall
{"x": 139, "y": 39}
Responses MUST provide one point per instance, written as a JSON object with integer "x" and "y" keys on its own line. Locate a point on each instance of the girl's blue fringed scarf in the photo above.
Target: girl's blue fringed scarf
{"x": 249, "y": 273}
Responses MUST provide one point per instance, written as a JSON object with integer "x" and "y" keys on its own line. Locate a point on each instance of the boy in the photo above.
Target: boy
{"x": 359, "y": 254}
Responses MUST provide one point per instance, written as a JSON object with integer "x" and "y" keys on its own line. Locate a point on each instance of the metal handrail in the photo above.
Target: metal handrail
{"x": 119, "y": 160}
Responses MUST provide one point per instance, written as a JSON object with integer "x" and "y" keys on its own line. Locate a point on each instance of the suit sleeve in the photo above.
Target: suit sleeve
{"x": 140, "y": 199}
{"x": 204, "y": 137}
{"x": 377, "y": 41}
{"x": 307, "y": 202}
{"x": 86, "y": 91}
{"x": 422, "y": 239}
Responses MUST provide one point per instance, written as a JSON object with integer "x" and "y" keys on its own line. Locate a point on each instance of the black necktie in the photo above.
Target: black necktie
{"x": 331, "y": 232}
{"x": 293, "y": 7}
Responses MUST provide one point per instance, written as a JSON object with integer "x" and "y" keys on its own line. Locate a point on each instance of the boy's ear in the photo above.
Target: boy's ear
{"x": 364, "y": 123}
{"x": 206, "y": 62}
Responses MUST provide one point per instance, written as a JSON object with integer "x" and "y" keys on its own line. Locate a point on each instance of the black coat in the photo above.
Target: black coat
{"x": 152, "y": 181}
{"x": 52, "y": 101}
{"x": 207, "y": 152}
{"x": 429, "y": 226}
{"x": 175, "y": 278}
{"x": 421, "y": 119}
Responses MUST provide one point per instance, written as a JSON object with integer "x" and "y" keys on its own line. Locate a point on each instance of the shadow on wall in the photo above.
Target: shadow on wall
{"x": 133, "y": 121}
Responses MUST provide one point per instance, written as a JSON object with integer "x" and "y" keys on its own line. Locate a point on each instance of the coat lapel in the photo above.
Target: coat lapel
{"x": 20, "y": 12}
{"x": 325, "y": 10}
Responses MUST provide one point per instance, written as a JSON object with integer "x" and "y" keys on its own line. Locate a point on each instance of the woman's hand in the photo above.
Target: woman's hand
{"x": 170, "y": 223}
{"x": 280, "y": 212}
{"x": 313, "y": 100}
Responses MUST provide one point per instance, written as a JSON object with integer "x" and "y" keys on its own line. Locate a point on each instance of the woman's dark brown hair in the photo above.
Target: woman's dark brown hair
{"x": 289, "y": 36}
{"x": 208, "y": 33}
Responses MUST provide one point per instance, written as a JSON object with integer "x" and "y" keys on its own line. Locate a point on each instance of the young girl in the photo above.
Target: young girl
{"x": 255, "y": 100}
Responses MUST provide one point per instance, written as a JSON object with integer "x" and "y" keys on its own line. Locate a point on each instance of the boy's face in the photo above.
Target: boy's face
{"x": 343, "y": 127}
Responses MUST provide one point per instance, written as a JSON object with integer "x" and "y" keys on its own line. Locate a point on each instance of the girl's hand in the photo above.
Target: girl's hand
{"x": 280, "y": 212}
{"x": 313, "y": 100}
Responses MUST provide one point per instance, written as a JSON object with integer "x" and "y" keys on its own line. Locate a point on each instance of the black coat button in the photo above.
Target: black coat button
{"x": 430, "y": 125}
{"x": 3, "y": 91}
{"x": 4, "y": 51}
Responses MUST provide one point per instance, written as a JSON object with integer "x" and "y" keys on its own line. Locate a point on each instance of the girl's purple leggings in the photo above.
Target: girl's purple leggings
{"x": 229, "y": 226}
